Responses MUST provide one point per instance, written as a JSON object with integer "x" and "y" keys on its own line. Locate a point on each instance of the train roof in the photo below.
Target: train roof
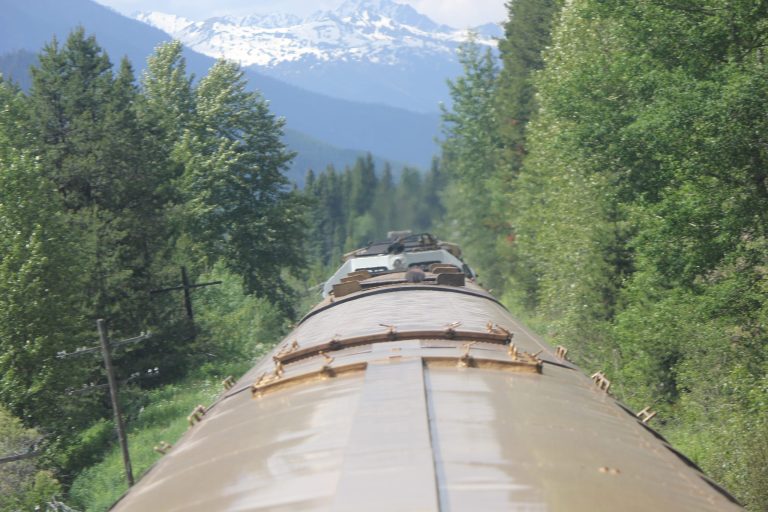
{"x": 400, "y": 252}
{"x": 420, "y": 395}
{"x": 404, "y": 242}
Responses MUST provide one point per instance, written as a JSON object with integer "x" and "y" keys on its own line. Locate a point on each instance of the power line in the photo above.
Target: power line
{"x": 150, "y": 373}
{"x": 80, "y": 351}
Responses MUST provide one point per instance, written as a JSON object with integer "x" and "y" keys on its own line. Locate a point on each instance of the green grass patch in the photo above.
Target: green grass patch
{"x": 164, "y": 419}
{"x": 238, "y": 330}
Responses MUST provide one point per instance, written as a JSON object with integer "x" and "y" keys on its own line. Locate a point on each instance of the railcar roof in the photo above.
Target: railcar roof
{"x": 420, "y": 396}
{"x": 409, "y": 243}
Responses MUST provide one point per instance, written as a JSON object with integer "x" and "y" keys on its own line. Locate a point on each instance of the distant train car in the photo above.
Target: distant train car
{"x": 410, "y": 388}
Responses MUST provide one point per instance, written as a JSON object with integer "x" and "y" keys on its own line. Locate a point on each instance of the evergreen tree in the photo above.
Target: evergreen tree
{"x": 383, "y": 207}
{"x": 167, "y": 99}
{"x": 526, "y": 34}
{"x": 70, "y": 90}
{"x": 434, "y": 183}
{"x": 40, "y": 266}
{"x": 362, "y": 185}
{"x": 408, "y": 203}
{"x": 471, "y": 143}
{"x": 341, "y": 221}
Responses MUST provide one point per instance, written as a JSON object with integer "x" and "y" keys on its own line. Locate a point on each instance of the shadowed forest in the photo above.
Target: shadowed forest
{"x": 607, "y": 177}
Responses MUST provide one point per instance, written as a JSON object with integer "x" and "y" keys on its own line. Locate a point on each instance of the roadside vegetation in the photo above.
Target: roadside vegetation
{"x": 162, "y": 419}
{"x": 109, "y": 187}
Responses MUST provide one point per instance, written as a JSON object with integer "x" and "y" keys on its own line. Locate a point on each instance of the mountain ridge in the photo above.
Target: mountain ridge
{"x": 393, "y": 134}
{"x": 371, "y": 51}
{"x": 372, "y": 30}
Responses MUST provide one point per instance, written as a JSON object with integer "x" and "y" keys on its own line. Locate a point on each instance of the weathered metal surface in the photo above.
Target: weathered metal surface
{"x": 551, "y": 442}
{"x": 409, "y": 308}
{"x": 389, "y": 451}
{"x": 282, "y": 452}
{"x": 429, "y": 421}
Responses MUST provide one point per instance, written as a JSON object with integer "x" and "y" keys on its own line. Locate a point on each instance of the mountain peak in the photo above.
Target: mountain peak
{"x": 368, "y": 50}
{"x": 379, "y": 32}
{"x": 401, "y": 13}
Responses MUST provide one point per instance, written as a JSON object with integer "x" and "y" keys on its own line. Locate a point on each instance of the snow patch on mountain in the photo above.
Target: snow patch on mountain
{"x": 375, "y": 31}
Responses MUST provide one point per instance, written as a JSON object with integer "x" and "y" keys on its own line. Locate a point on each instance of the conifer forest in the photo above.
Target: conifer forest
{"x": 605, "y": 172}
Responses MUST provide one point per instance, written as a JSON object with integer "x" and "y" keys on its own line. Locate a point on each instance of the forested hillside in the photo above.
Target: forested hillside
{"x": 107, "y": 187}
{"x": 617, "y": 162}
{"x": 361, "y": 204}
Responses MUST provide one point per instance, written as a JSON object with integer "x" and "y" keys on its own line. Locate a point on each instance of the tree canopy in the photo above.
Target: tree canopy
{"x": 630, "y": 152}
{"x": 107, "y": 187}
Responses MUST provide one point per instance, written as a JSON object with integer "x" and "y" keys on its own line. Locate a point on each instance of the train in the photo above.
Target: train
{"x": 409, "y": 387}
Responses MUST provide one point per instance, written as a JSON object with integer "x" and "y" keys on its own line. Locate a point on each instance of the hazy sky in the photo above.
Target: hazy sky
{"x": 456, "y": 13}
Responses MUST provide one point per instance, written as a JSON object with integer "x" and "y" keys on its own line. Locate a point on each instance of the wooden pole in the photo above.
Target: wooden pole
{"x": 187, "y": 297}
{"x": 106, "y": 352}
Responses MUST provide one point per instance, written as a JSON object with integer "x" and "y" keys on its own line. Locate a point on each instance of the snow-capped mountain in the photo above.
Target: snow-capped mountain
{"x": 323, "y": 130}
{"x": 366, "y": 50}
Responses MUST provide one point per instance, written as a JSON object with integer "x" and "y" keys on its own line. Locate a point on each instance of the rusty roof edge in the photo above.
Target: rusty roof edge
{"x": 499, "y": 338}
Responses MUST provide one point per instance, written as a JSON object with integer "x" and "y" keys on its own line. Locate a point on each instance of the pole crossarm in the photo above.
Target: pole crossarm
{"x": 185, "y": 286}
{"x": 181, "y": 287}
{"x": 32, "y": 451}
{"x": 96, "y": 349}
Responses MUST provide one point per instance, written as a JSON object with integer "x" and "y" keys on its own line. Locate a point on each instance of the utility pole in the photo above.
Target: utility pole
{"x": 187, "y": 287}
{"x": 107, "y": 353}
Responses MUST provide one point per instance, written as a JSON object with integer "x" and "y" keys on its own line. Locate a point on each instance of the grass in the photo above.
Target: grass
{"x": 164, "y": 419}
{"x": 241, "y": 328}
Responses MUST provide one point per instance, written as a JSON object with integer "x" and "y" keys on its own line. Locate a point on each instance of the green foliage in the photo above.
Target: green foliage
{"x": 237, "y": 328}
{"x": 639, "y": 212}
{"x": 38, "y": 268}
{"x": 351, "y": 208}
{"x": 469, "y": 161}
{"x": 167, "y": 98}
{"x": 106, "y": 189}
{"x": 526, "y": 34}
{"x": 234, "y": 330}
{"x": 22, "y": 485}
{"x": 237, "y": 203}
{"x": 162, "y": 419}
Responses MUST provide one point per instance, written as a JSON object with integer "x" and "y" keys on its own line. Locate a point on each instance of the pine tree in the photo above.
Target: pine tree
{"x": 527, "y": 33}
{"x": 40, "y": 266}
{"x": 469, "y": 159}
{"x": 383, "y": 208}
{"x": 70, "y": 89}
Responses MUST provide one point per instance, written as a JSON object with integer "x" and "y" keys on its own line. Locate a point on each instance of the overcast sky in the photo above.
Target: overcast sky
{"x": 456, "y": 13}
